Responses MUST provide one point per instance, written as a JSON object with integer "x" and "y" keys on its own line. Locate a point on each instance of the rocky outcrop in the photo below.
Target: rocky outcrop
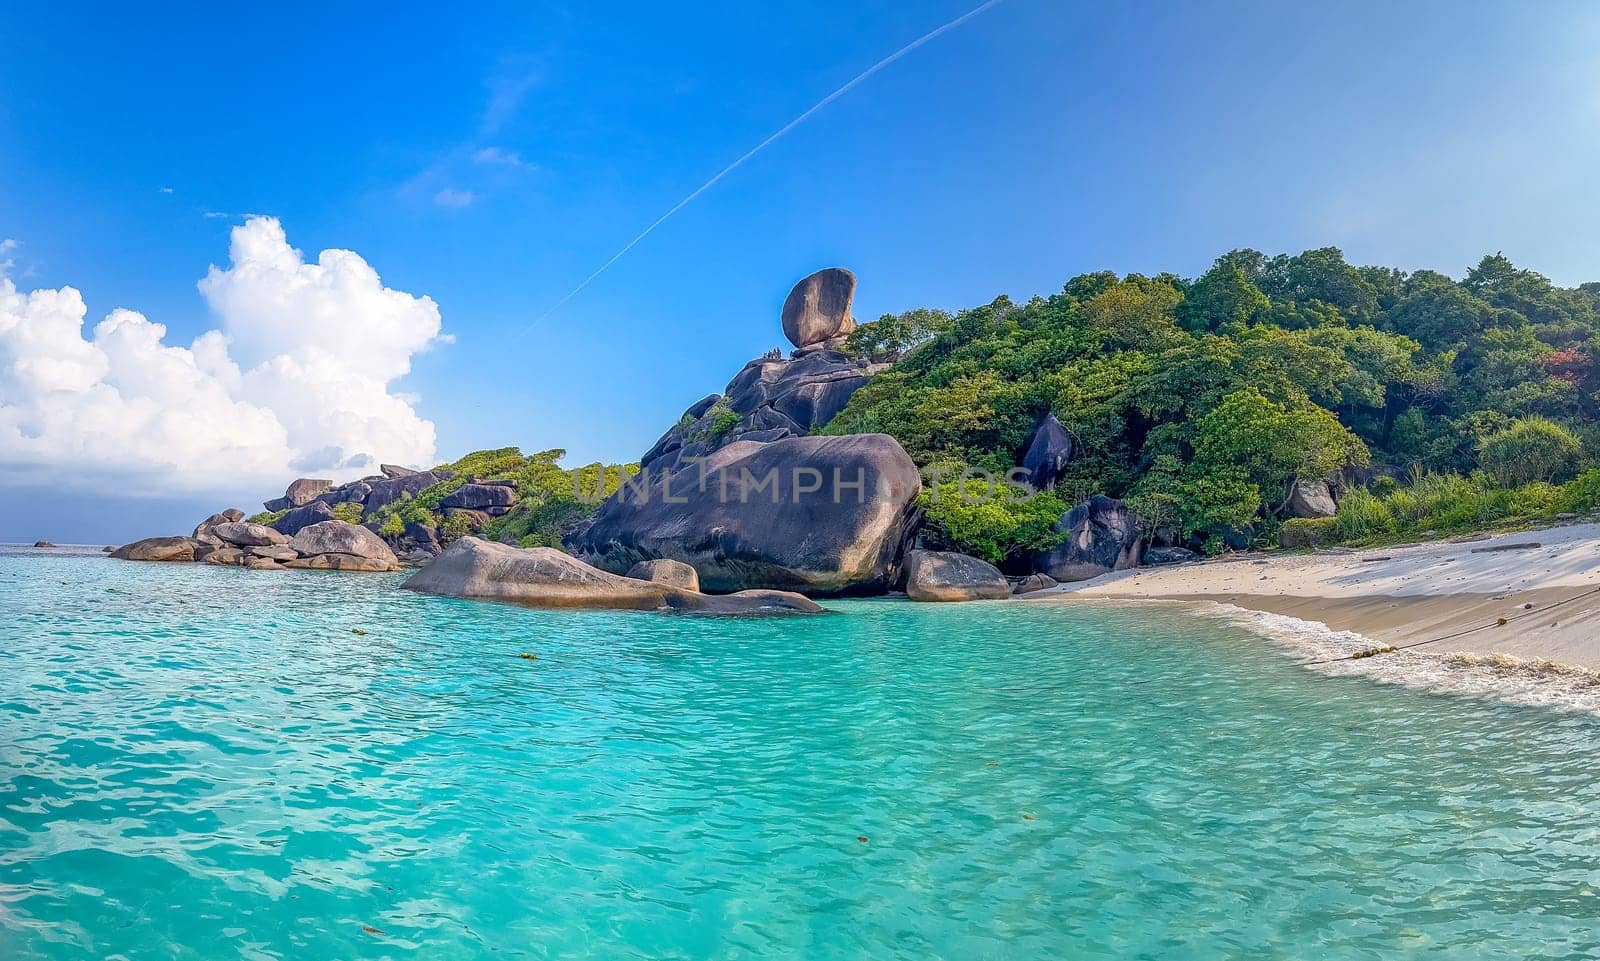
{"x": 492, "y": 499}
{"x": 1034, "y": 583}
{"x": 355, "y": 492}
{"x": 43, "y": 545}
{"x": 300, "y": 518}
{"x": 1169, "y": 555}
{"x": 174, "y": 549}
{"x": 663, "y": 571}
{"x": 299, "y": 493}
{"x": 343, "y": 562}
{"x": 770, "y": 399}
{"x": 228, "y": 516}
{"x": 382, "y": 493}
{"x": 817, "y": 309}
{"x": 821, "y": 515}
{"x": 945, "y": 576}
{"x": 346, "y": 546}
{"x": 245, "y": 534}
{"x": 395, "y": 471}
{"x": 545, "y": 577}
{"x": 1101, "y": 535}
{"x": 1048, "y": 454}
{"x": 1310, "y": 499}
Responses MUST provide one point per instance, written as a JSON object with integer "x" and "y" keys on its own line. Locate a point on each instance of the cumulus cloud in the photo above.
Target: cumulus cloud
{"x": 295, "y": 380}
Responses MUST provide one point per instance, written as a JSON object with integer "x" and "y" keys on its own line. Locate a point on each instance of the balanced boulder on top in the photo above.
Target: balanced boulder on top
{"x": 817, "y": 310}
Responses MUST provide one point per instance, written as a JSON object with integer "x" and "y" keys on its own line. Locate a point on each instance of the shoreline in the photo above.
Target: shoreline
{"x": 1515, "y": 617}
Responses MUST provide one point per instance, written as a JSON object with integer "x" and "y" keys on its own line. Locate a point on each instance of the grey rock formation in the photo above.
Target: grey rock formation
{"x": 300, "y": 518}
{"x": 229, "y": 516}
{"x": 824, "y": 515}
{"x": 177, "y": 549}
{"x": 945, "y": 576}
{"x": 1034, "y": 583}
{"x": 245, "y": 534}
{"x": 382, "y": 493}
{"x": 1048, "y": 454}
{"x": 1169, "y": 555}
{"x": 663, "y": 571}
{"x": 480, "y": 497}
{"x": 354, "y": 492}
{"x": 545, "y": 577}
{"x": 770, "y": 399}
{"x": 347, "y": 540}
{"x": 818, "y": 308}
{"x": 304, "y": 490}
{"x": 1311, "y": 499}
{"x": 393, "y": 471}
{"x": 1102, "y": 535}
{"x": 343, "y": 562}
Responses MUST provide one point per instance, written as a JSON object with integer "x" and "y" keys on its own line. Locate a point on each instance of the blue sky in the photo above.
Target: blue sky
{"x": 492, "y": 161}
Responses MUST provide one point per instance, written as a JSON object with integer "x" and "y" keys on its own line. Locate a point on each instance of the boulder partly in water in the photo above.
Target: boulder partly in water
{"x": 946, "y": 576}
{"x": 173, "y": 549}
{"x": 546, "y": 577}
{"x": 819, "y": 515}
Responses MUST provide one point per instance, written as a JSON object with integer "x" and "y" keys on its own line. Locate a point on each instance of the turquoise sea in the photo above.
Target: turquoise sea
{"x": 207, "y": 763}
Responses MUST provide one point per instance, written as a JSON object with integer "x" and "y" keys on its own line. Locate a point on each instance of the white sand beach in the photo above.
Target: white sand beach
{"x": 1515, "y": 615}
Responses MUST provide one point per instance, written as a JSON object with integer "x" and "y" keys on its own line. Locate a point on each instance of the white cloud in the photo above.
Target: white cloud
{"x": 500, "y": 157}
{"x": 165, "y": 190}
{"x": 451, "y": 197}
{"x": 296, "y": 380}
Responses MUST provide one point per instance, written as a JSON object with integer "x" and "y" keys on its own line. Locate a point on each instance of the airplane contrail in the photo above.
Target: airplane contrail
{"x": 730, "y": 168}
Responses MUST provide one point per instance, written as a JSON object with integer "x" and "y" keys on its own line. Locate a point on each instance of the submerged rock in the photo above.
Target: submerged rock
{"x": 946, "y": 576}
{"x": 825, "y": 515}
{"x": 174, "y": 549}
{"x": 545, "y": 577}
{"x": 1102, "y": 535}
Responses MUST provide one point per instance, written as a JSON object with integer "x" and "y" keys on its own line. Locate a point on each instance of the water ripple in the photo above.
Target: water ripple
{"x": 201, "y": 763}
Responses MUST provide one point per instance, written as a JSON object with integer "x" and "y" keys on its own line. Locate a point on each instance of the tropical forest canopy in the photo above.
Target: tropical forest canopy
{"x": 1201, "y": 400}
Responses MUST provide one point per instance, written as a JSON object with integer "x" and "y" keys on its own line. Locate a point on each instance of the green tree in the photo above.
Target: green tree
{"x": 1531, "y": 449}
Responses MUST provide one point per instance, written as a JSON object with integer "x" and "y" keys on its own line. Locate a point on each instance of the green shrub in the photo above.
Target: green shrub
{"x": 267, "y": 518}
{"x": 1531, "y": 449}
{"x": 1581, "y": 495}
{"x": 349, "y": 512}
{"x": 1361, "y": 516}
{"x": 997, "y": 528}
{"x": 1308, "y": 531}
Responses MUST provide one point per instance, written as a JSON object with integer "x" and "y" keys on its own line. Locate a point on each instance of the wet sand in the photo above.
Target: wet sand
{"x": 1443, "y": 603}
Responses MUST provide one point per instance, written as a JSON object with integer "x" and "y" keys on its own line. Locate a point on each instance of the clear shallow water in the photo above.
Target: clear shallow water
{"x": 200, "y": 763}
